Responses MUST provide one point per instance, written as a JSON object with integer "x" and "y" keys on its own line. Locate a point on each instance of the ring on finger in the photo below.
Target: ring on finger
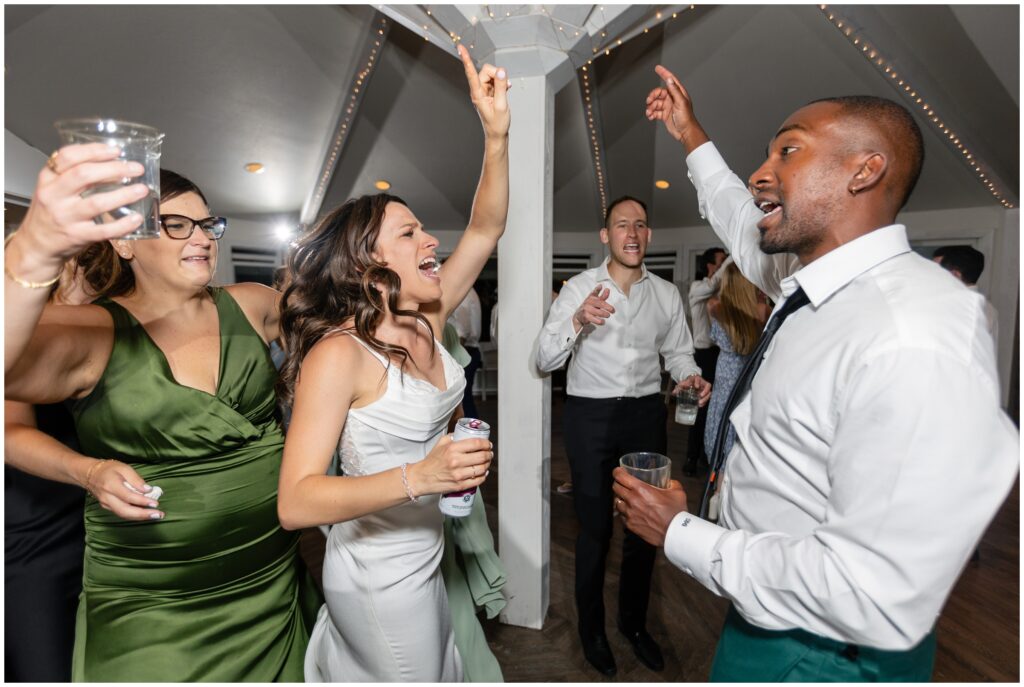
{"x": 51, "y": 162}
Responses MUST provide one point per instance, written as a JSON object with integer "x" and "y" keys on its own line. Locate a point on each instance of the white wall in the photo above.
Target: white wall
{"x": 22, "y": 163}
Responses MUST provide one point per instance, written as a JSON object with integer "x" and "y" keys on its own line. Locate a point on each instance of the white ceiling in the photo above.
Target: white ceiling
{"x": 234, "y": 84}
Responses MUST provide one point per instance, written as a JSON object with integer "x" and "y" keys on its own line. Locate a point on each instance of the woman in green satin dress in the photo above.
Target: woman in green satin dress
{"x": 171, "y": 382}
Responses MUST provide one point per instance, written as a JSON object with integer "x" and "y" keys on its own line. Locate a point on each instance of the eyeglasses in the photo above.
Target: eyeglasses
{"x": 181, "y": 227}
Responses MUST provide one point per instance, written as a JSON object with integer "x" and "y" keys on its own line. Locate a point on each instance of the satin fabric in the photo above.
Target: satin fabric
{"x": 215, "y": 591}
{"x": 387, "y": 617}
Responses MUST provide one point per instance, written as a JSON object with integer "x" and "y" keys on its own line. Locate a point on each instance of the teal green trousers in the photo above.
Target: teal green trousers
{"x": 750, "y": 654}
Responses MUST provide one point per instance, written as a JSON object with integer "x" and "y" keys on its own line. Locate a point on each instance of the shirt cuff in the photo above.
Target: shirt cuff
{"x": 690, "y": 544}
{"x": 705, "y": 161}
{"x": 567, "y": 335}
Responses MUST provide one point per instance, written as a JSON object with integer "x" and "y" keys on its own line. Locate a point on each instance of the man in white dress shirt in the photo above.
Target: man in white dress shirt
{"x": 966, "y": 263}
{"x": 615, "y": 320}
{"x": 846, "y": 512}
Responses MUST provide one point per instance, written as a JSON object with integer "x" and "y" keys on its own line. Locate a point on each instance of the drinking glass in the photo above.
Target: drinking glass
{"x": 687, "y": 405}
{"x": 139, "y": 143}
{"x": 653, "y": 468}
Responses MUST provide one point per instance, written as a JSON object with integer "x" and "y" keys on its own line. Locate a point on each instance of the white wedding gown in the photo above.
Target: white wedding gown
{"x": 386, "y": 616}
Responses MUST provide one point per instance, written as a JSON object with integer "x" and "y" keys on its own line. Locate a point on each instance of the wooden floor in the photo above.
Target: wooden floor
{"x": 979, "y": 637}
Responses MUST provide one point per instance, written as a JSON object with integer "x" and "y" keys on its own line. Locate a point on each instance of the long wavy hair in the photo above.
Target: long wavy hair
{"x": 333, "y": 277}
{"x": 737, "y": 311}
{"x": 106, "y": 272}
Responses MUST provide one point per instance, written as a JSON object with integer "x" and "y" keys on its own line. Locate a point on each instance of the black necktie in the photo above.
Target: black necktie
{"x": 796, "y": 300}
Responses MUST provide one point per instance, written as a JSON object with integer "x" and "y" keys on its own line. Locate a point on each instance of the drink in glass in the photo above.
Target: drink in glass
{"x": 653, "y": 468}
{"x": 139, "y": 143}
{"x": 687, "y": 405}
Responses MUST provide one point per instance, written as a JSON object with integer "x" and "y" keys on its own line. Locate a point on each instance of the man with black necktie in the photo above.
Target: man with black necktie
{"x": 840, "y": 533}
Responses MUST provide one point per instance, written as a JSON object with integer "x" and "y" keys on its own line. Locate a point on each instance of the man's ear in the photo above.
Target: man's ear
{"x": 604, "y": 235}
{"x": 871, "y": 171}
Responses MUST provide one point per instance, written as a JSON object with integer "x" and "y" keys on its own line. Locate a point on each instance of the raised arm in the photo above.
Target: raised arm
{"x": 307, "y": 496}
{"x": 65, "y": 356}
{"x": 724, "y": 199}
{"x": 57, "y": 226}
{"x": 488, "y": 89}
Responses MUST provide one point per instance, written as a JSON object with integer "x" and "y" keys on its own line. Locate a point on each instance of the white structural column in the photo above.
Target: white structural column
{"x": 524, "y": 407}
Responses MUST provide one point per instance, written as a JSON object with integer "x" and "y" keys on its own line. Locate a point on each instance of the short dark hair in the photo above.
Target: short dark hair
{"x": 897, "y": 126}
{"x": 620, "y": 200}
{"x": 706, "y": 259}
{"x": 967, "y": 260}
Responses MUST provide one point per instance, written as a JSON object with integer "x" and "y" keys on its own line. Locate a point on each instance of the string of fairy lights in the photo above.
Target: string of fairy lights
{"x": 918, "y": 100}
{"x": 372, "y": 51}
{"x": 588, "y": 85}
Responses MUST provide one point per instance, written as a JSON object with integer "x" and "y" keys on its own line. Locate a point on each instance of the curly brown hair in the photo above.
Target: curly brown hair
{"x": 334, "y": 277}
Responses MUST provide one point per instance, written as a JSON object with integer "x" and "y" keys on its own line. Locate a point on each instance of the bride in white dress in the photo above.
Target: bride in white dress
{"x": 368, "y": 382}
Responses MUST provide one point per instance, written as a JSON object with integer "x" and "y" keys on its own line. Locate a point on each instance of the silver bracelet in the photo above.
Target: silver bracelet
{"x": 405, "y": 483}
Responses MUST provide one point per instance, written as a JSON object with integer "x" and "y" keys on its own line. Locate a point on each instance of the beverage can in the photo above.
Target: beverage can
{"x": 459, "y": 504}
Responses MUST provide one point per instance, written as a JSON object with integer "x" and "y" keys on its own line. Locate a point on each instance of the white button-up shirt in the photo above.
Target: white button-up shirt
{"x": 871, "y": 452}
{"x": 619, "y": 358}
{"x": 701, "y": 292}
{"x": 467, "y": 319}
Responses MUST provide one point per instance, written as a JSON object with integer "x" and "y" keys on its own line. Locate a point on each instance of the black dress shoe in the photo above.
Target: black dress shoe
{"x": 645, "y": 648}
{"x": 599, "y": 654}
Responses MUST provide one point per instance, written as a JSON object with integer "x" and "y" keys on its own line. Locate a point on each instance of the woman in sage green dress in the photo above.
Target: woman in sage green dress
{"x": 171, "y": 383}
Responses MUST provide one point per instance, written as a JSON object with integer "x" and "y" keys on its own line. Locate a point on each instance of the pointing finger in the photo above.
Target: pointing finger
{"x": 475, "y": 89}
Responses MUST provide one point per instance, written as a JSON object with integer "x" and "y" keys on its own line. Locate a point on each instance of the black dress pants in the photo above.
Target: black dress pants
{"x": 706, "y": 359}
{"x": 597, "y": 433}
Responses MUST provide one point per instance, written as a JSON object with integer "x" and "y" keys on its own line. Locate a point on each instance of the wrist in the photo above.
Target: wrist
{"x": 26, "y": 258}
{"x": 495, "y": 143}
{"x": 410, "y": 481}
{"x": 693, "y": 137}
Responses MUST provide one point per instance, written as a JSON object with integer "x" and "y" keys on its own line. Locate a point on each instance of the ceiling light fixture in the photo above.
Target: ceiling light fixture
{"x": 662, "y": 184}
{"x": 283, "y": 231}
{"x": 382, "y": 185}
{"x": 254, "y": 167}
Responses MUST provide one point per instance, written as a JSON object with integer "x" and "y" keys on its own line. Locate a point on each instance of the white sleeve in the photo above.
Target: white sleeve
{"x": 726, "y": 203}
{"x": 921, "y": 460}
{"x": 677, "y": 347}
{"x": 475, "y": 317}
{"x": 460, "y": 318}
{"x": 558, "y": 337}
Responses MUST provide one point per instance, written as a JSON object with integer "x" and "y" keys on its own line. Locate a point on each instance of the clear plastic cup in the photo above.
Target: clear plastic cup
{"x": 139, "y": 143}
{"x": 687, "y": 406}
{"x": 653, "y": 468}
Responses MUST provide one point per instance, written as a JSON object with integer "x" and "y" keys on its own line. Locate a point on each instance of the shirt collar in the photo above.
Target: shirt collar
{"x": 602, "y": 272}
{"x": 840, "y": 266}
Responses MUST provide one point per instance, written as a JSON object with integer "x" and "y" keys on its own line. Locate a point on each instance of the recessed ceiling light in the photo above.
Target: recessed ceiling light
{"x": 254, "y": 167}
{"x": 662, "y": 184}
{"x": 382, "y": 185}
{"x": 284, "y": 231}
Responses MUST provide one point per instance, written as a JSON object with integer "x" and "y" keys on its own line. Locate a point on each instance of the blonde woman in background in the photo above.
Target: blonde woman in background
{"x": 738, "y": 314}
